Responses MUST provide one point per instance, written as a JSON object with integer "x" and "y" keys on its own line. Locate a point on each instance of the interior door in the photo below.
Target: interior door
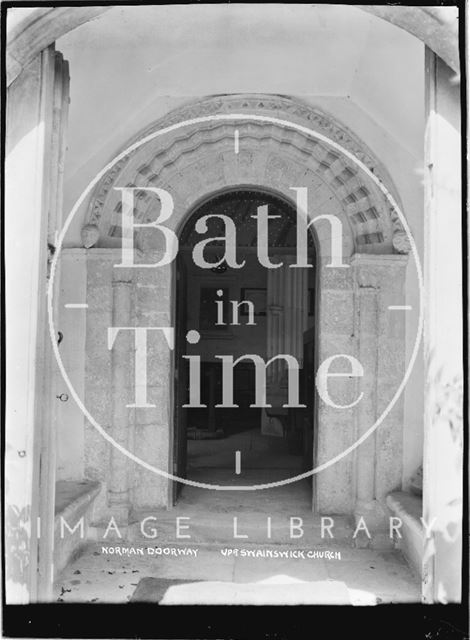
{"x": 181, "y": 379}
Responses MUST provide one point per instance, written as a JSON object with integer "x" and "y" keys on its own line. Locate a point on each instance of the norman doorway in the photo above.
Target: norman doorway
{"x": 247, "y": 311}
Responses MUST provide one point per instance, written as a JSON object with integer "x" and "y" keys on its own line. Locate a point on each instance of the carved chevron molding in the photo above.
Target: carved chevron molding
{"x": 195, "y": 137}
{"x": 281, "y": 107}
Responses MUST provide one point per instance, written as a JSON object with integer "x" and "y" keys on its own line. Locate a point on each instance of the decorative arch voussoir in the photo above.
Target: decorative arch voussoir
{"x": 201, "y": 157}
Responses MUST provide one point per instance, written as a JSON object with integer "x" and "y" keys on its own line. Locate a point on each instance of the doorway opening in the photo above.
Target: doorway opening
{"x": 247, "y": 313}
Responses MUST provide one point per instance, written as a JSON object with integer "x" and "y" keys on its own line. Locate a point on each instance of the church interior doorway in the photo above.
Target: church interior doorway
{"x": 241, "y": 312}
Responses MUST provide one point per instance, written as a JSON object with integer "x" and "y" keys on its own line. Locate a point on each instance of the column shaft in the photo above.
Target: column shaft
{"x": 118, "y": 490}
{"x": 366, "y": 413}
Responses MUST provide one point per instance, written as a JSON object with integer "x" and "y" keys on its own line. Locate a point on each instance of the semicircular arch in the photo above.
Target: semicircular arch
{"x": 200, "y": 159}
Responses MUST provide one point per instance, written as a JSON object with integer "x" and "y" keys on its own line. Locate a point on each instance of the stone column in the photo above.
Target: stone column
{"x": 367, "y": 408}
{"x": 392, "y": 359}
{"x": 122, "y": 383}
{"x": 381, "y": 351}
{"x": 334, "y": 488}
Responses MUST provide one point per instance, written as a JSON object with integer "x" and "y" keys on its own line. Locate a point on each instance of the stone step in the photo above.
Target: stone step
{"x": 216, "y": 529}
{"x": 242, "y": 528}
{"x": 73, "y": 502}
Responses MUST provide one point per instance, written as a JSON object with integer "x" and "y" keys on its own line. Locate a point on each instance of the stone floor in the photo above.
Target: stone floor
{"x": 257, "y": 451}
{"x": 212, "y": 575}
{"x": 211, "y": 513}
{"x": 359, "y": 577}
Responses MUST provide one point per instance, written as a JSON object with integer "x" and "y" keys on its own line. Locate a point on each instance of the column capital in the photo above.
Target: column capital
{"x": 391, "y": 260}
{"x": 374, "y": 270}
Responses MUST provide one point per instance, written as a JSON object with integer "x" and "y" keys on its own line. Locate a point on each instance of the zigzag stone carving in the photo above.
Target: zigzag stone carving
{"x": 280, "y": 107}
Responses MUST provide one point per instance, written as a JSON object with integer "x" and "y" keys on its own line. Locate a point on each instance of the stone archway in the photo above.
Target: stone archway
{"x": 33, "y": 30}
{"x": 193, "y": 164}
{"x": 200, "y": 158}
